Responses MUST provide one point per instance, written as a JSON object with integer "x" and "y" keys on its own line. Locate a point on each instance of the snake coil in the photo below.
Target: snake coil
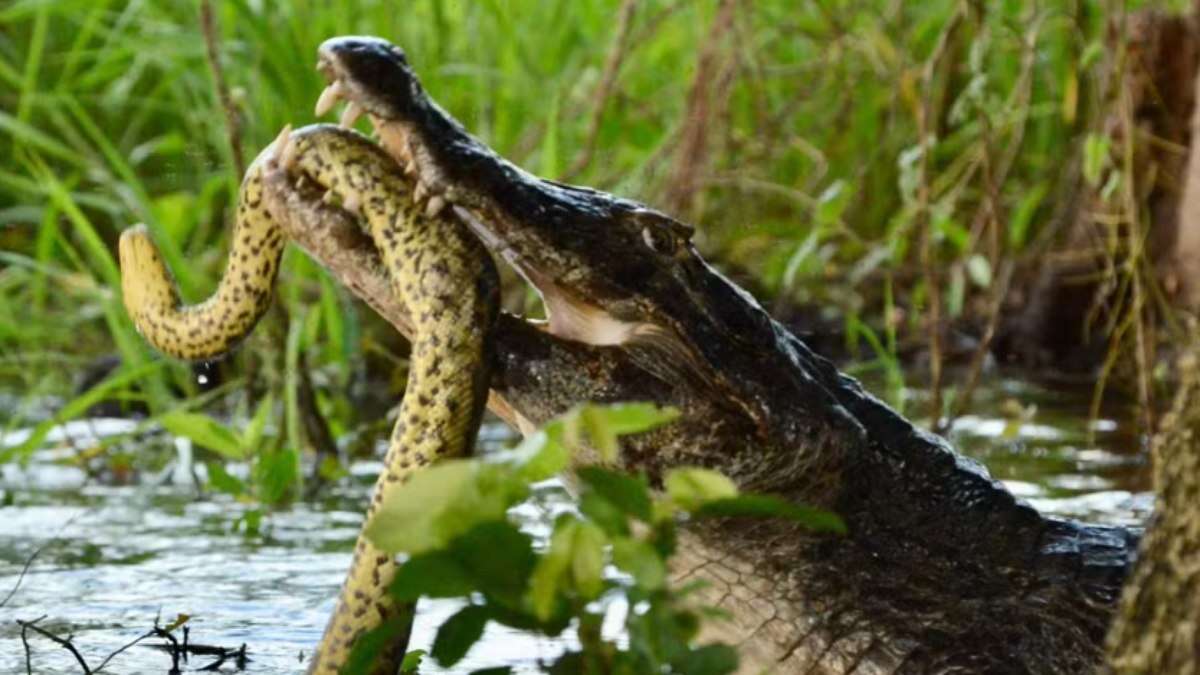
{"x": 446, "y": 278}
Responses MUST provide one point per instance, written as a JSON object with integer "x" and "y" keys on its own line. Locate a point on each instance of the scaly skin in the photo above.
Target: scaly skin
{"x": 942, "y": 569}
{"x": 445, "y": 277}
{"x": 213, "y": 327}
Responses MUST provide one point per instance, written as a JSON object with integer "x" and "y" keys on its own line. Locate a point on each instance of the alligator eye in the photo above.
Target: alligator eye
{"x": 659, "y": 240}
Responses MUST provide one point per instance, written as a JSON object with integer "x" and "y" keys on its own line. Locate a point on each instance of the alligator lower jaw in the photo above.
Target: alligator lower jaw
{"x": 569, "y": 316}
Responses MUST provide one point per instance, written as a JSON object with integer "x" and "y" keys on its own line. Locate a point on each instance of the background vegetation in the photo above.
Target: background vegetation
{"x": 827, "y": 152}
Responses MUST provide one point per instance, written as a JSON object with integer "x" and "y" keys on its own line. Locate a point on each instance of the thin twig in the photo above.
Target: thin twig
{"x": 990, "y": 214}
{"x": 694, "y": 131}
{"x": 208, "y": 28}
{"x": 122, "y": 648}
{"x": 29, "y": 562}
{"x": 612, "y": 65}
{"x": 64, "y": 643}
{"x": 316, "y": 429}
{"x": 25, "y": 644}
{"x": 926, "y": 115}
{"x": 21, "y": 576}
{"x": 975, "y": 369}
{"x": 1137, "y": 255}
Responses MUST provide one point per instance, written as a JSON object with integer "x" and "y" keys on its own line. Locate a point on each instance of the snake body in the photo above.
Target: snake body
{"x": 211, "y": 328}
{"x": 444, "y": 275}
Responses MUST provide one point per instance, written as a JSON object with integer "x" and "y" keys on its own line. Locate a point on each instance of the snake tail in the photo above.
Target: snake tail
{"x": 211, "y": 328}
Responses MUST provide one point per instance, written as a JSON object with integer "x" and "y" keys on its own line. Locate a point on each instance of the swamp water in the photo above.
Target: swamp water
{"x": 113, "y": 558}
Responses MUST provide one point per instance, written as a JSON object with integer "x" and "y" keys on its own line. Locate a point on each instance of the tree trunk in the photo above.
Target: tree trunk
{"x": 1157, "y": 627}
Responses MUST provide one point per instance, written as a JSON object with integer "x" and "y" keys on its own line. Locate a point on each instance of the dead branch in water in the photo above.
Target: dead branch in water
{"x": 178, "y": 651}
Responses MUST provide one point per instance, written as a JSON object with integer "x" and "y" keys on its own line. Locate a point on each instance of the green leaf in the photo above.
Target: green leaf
{"x": 767, "y": 506}
{"x": 832, "y": 203}
{"x": 602, "y": 512}
{"x": 458, "y": 633}
{"x": 539, "y": 456}
{"x": 600, "y": 435}
{"x": 1022, "y": 215}
{"x": 502, "y": 670}
{"x": 691, "y": 487}
{"x": 550, "y": 570}
{"x": 498, "y": 559}
{"x": 442, "y": 502}
{"x": 632, "y": 418}
{"x": 1092, "y": 53}
{"x": 569, "y": 663}
{"x": 947, "y": 227}
{"x": 250, "y": 523}
{"x": 204, "y": 431}
{"x": 252, "y": 435}
{"x": 640, "y": 560}
{"x": 715, "y": 659}
{"x": 587, "y": 560}
{"x": 407, "y": 520}
{"x": 275, "y": 473}
{"x": 550, "y": 162}
{"x": 412, "y": 662}
{"x": 1095, "y": 155}
{"x": 176, "y": 212}
{"x": 433, "y": 575}
{"x": 631, "y": 495}
{"x": 222, "y": 481}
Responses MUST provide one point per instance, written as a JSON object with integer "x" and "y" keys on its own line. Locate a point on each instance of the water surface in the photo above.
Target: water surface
{"x": 114, "y": 557}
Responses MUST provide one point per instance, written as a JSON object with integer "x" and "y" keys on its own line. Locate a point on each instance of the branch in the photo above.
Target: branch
{"x": 29, "y": 562}
{"x": 612, "y": 65}
{"x": 64, "y": 643}
{"x": 21, "y": 576}
{"x": 208, "y": 28}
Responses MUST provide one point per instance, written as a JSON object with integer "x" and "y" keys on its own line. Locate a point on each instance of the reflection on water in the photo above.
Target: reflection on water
{"x": 1057, "y": 460}
{"x": 115, "y": 557}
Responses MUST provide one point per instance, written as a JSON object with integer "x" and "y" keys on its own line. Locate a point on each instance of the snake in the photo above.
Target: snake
{"x": 442, "y": 272}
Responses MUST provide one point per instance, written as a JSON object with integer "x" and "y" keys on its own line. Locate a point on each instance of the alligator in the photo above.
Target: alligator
{"x": 942, "y": 569}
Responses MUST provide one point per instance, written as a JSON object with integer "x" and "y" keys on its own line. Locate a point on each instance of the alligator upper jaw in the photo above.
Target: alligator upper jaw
{"x": 453, "y": 170}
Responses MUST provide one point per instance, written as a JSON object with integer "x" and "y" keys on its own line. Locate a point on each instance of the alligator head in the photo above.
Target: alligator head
{"x": 943, "y": 570}
{"x": 611, "y": 271}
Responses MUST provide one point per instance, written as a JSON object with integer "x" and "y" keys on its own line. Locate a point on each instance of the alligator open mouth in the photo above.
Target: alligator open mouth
{"x": 610, "y": 271}
{"x": 373, "y": 78}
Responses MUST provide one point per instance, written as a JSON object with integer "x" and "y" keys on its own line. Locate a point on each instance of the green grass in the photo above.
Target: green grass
{"x": 811, "y": 178}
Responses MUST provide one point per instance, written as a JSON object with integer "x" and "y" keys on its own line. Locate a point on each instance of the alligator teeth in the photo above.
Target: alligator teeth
{"x": 285, "y": 150}
{"x": 329, "y": 197}
{"x": 351, "y": 202}
{"x": 421, "y": 192}
{"x": 435, "y": 206}
{"x": 351, "y": 114}
{"x": 329, "y": 97}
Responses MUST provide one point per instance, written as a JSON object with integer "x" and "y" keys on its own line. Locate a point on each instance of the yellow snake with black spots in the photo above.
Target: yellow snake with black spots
{"x": 444, "y": 275}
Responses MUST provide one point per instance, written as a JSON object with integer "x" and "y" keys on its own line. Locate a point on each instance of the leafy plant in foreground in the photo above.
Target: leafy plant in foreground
{"x": 451, "y": 520}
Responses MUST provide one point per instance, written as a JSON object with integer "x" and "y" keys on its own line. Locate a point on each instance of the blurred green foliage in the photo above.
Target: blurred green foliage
{"x": 789, "y": 133}
{"x": 451, "y": 521}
